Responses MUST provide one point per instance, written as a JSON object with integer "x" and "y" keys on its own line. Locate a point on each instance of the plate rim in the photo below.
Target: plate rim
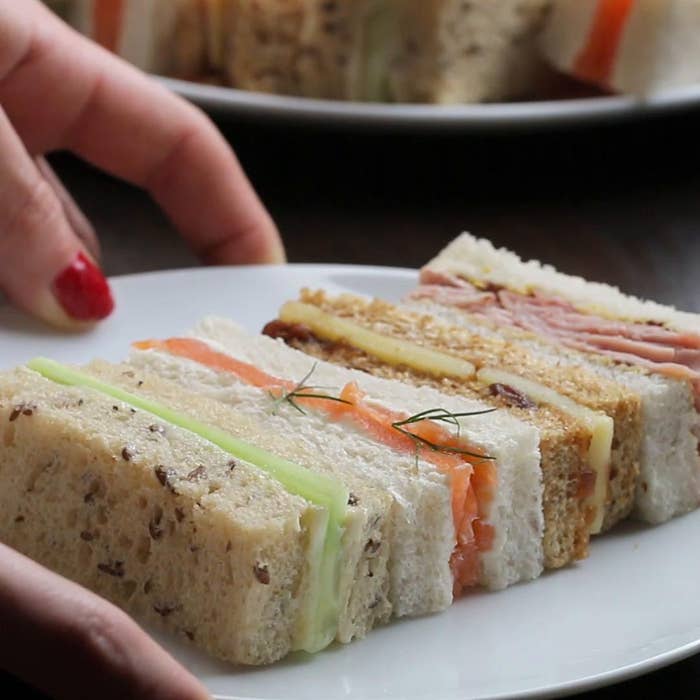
{"x": 540, "y": 113}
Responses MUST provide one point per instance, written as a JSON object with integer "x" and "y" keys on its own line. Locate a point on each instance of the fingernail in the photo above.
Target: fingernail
{"x": 83, "y": 291}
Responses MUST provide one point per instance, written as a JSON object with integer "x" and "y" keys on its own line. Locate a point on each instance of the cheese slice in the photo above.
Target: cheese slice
{"x": 393, "y": 351}
{"x": 600, "y": 425}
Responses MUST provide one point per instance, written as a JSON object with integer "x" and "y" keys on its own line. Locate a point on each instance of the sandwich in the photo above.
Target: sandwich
{"x": 453, "y": 52}
{"x": 589, "y": 427}
{"x": 208, "y": 509}
{"x": 236, "y": 548}
{"x": 639, "y": 47}
{"x": 488, "y": 529}
{"x": 309, "y": 48}
{"x": 436, "y": 51}
{"x": 650, "y": 348}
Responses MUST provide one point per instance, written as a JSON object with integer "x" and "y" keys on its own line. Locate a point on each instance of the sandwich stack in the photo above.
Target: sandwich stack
{"x": 358, "y": 461}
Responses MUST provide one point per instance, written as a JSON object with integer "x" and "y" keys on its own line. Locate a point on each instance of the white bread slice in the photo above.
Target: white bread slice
{"x": 452, "y": 51}
{"x": 657, "y": 50}
{"x": 367, "y": 542}
{"x": 218, "y": 559}
{"x": 516, "y": 511}
{"x": 477, "y": 259}
{"x": 669, "y": 465}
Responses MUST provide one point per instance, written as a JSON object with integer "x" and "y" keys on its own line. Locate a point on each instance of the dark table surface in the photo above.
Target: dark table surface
{"x": 617, "y": 203}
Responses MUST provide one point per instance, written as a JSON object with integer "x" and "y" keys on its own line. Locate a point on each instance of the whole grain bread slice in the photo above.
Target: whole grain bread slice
{"x": 152, "y": 517}
{"x": 365, "y": 595}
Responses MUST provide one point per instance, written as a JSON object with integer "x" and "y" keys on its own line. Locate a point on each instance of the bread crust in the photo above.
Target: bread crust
{"x": 154, "y": 520}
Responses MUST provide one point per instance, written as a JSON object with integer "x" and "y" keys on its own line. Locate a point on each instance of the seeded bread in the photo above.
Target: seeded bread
{"x": 108, "y": 497}
{"x": 366, "y": 596}
{"x": 516, "y": 509}
{"x": 452, "y": 51}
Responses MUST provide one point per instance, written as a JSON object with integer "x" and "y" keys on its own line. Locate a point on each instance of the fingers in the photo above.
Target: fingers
{"x": 112, "y": 115}
{"x": 71, "y": 644}
{"x": 44, "y": 269}
{"x": 77, "y": 221}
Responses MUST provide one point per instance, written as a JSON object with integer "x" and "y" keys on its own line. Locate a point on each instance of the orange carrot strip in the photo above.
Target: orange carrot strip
{"x": 597, "y": 59}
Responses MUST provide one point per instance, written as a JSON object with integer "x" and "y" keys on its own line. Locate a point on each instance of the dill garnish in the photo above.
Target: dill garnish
{"x": 304, "y": 391}
{"x": 445, "y": 416}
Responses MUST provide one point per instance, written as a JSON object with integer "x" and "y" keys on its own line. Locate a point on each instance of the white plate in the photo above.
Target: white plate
{"x": 632, "y": 607}
{"x": 253, "y": 105}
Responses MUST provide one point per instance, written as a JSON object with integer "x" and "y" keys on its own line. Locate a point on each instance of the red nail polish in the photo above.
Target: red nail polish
{"x": 83, "y": 292}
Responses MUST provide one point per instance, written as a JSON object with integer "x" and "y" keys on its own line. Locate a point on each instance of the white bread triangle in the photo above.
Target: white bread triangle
{"x": 658, "y": 48}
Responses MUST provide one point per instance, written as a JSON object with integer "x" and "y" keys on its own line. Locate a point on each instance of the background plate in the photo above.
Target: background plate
{"x": 251, "y": 105}
{"x": 630, "y": 608}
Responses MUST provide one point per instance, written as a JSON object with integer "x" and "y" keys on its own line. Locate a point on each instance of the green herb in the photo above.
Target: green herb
{"x": 304, "y": 391}
{"x": 445, "y": 416}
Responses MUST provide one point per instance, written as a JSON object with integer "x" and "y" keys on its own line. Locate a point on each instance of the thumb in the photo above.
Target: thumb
{"x": 44, "y": 268}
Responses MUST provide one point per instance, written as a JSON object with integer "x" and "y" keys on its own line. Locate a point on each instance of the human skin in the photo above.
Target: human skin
{"x": 60, "y": 91}
{"x": 71, "y": 644}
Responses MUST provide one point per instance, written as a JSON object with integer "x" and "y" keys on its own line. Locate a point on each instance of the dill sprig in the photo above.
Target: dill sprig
{"x": 304, "y": 391}
{"x": 444, "y": 416}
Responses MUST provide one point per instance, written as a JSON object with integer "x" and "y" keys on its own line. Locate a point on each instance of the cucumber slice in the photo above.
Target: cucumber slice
{"x": 320, "y": 626}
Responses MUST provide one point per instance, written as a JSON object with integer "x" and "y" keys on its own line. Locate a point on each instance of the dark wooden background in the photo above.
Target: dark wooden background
{"x": 617, "y": 203}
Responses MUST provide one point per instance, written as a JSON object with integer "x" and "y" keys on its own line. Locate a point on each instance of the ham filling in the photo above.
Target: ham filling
{"x": 653, "y": 347}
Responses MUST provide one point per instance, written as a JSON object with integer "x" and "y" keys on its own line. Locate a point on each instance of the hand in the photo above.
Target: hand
{"x": 60, "y": 91}
{"x": 71, "y": 644}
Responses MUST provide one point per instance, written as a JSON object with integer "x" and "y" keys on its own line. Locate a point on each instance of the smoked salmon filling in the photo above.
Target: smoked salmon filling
{"x": 473, "y": 476}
